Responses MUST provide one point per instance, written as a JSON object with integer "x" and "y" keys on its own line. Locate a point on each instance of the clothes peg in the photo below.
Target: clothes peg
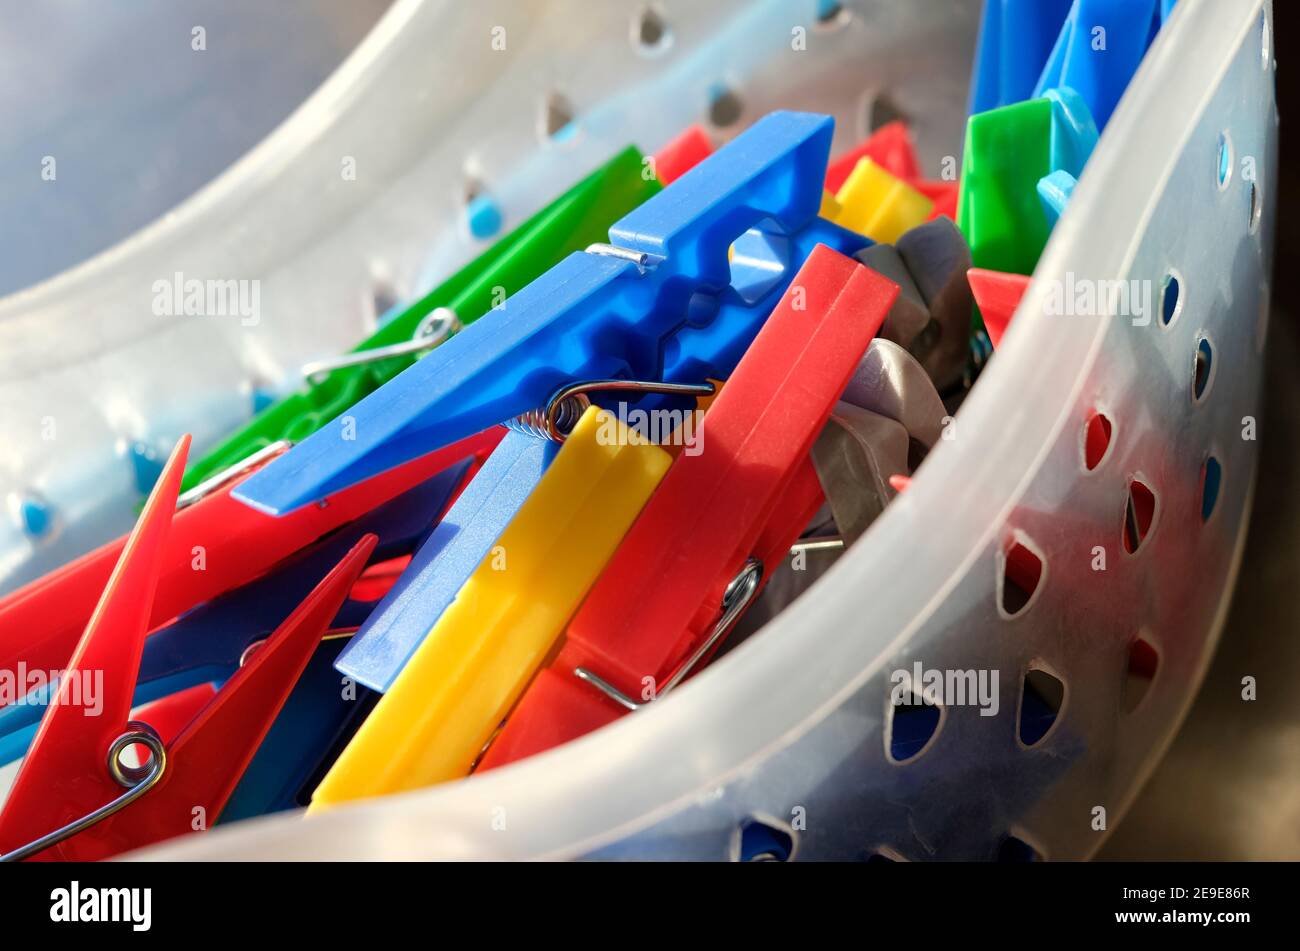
{"x": 937, "y": 257}
{"x": 1054, "y": 192}
{"x": 1074, "y": 131}
{"x": 854, "y": 457}
{"x": 998, "y": 296}
{"x": 879, "y": 205}
{"x": 1016, "y": 38}
{"x": 1007, "y": 151}
{"x": 830, "y": 208}
{"x": 890, "y": 147}
{"x": 302, "y": 740}
{"x": 208, "y": 642}
{"x": 889, "y": 382}
{"x": 471, "y": 668}
{"x": 1100, "y": 75}
{"x": 661, "y": 302}
{"x": 682, "y": 154}
{"x": 215, "y": 545}
{"x": 851, "y": 457}
{"x": 464, "y": 537}
{"x": 580, "y": 216}
{"x": 68, "y": 800}
{"x": 169, "y": 715}
{"x": 721, "y": 521}
{"x": 791, "y": 561}
{"x": 943, "y": 197}
{"x": 908, "y": 318}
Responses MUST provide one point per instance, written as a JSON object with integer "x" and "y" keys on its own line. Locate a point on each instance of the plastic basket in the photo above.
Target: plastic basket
{"x": 790, "y": 732}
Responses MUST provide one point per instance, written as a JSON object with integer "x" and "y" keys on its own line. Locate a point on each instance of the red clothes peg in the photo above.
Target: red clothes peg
{"x": 890, "y": 147}
{"x": 899, "y": 482}
{"x": 998, "y": 295}
{"x": 214, "y": 545}
{"x": 68, "y": 774}
{"x": 717, "y": 516}
{"x": 171, "y": 714}
{"x": 682, "y": 154}
{"x": 943, "y": 194}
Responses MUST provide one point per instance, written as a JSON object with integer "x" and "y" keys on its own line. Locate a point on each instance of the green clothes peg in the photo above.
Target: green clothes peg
{"x": 998, "y": 211}
{"x": 1007, "y": 151}
{"x": 580, "y": 217}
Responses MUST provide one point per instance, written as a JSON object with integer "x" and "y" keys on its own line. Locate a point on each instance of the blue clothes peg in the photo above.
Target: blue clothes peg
{"x": 1074, "y": 132}
{"x": 1054, "y": 191}
{"x": 661, "y": 302}
{"x": 311, "y": 724}
{"x": 1073, "y": 137}
{"x": 206, "y": 644}
{"x": 1016, "y": 37}
{"x": 458, "y": 545}
{"x": 1099, "y": 48}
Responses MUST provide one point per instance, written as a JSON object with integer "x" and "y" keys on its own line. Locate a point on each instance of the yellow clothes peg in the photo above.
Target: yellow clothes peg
{"x": 453, "y": 694}
{"x": 830, "y": 208}
{"x": 881, "y": 206}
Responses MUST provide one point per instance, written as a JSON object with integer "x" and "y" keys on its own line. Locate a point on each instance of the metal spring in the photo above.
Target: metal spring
{"x": 543, "y": 424}
{"x": 137, "y": 780}
{"x": 562, "y": 411}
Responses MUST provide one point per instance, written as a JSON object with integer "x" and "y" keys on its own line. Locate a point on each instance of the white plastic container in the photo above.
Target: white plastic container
{"x": 791, "y": 728}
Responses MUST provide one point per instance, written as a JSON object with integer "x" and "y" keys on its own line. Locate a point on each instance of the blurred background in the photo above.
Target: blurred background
{"x": 137, "y": 121}
{"x": 100, "y": 86}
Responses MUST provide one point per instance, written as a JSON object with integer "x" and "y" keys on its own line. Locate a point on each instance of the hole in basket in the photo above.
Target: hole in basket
{"x": 1211, "y": 477}
{"x": 1022, "y": 572}
{"x": 1041, "y": 697}
{"x": 650, "y": 31}
{"x": 1225, "y": 160}
{"x": 1202, "y": 368}
{"x": 557, "y": 118}
{"x": 913, "y": 722}
{"x": 725, "y": 108}
{"x": 482, "y": 217}
{"x": 1015, "y": 849}
{"x": 1139, "y": 514}
{"x": 1142, "y": 664}
{"x": 1096, "y": 439}
{"x": 1171, "y": 301}
{"x": 1256, "y": 208}
{"x": 831, "y": 13}
{"x": 383, "y": 297}
{"x": 765, "y": 842}
{"x": 882, "y": 110}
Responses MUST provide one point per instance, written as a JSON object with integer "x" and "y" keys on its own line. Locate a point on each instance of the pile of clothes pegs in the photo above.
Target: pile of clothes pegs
{"x": 543, "y": 495}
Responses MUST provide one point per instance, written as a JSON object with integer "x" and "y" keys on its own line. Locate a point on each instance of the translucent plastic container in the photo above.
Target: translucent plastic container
{"x": 791, "y": 729}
